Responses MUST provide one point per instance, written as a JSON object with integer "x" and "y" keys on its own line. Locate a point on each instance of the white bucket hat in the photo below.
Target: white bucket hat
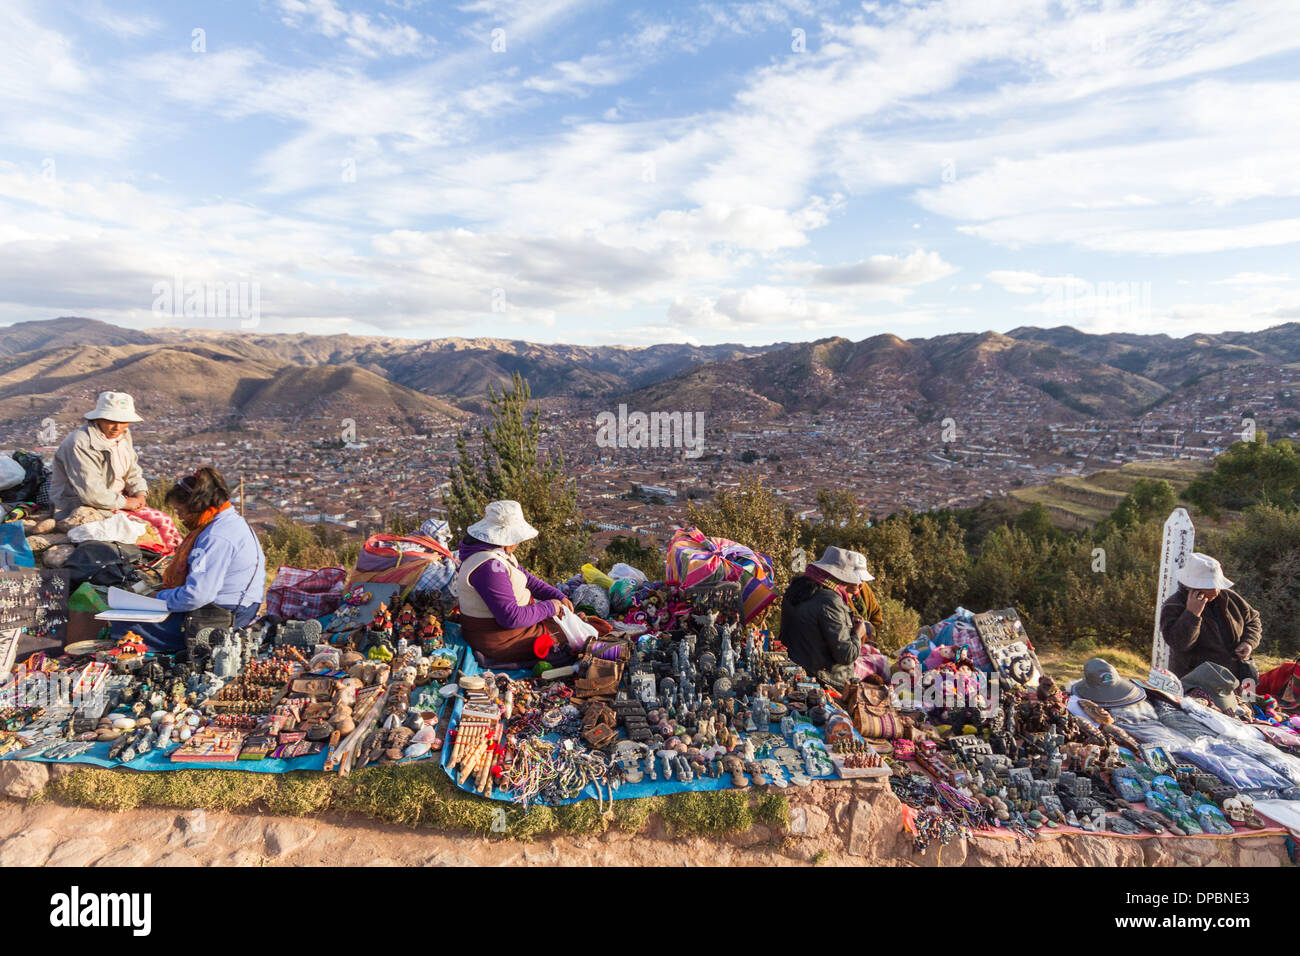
{"x": 1202, "y": 573}
{"x": 503, "y": 524}
{"x": 114, "y": 407}
{"x": 843, "y": 565}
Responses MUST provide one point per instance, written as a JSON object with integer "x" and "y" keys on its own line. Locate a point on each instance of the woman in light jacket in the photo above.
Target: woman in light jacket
{"x": 217, "y": 577}
{"x": 96, "y": 465}
{"x": 506, "y": 613}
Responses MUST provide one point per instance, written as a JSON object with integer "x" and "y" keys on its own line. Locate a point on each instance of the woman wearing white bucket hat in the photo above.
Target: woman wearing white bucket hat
{"x": 1205, "y": 620}
{"x": 96, "y": 465}
{"x": 506, "y": 613}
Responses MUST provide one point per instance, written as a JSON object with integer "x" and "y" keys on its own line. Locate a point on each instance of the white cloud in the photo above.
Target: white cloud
{"x": 365, "y": 36}
{"x": 122, "y": 25}
{"x": 914, "y": 269}
{"x": 1111, "y": 130}
{"x": 1254, "y": 278}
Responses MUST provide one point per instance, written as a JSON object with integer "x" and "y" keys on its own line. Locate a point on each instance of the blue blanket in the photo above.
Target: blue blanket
{"x": 628, "y": 791}
{"x": 157, "y": 760}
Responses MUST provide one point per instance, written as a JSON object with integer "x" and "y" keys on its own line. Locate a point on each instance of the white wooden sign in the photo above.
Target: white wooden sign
{"x": 1180, "y": 541}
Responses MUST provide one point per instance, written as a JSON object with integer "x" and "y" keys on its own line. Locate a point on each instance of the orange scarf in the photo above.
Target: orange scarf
{"x": 179, "y": 569}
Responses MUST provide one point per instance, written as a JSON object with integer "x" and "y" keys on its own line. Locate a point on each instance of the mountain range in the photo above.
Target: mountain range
{"x": 54, "y": 367}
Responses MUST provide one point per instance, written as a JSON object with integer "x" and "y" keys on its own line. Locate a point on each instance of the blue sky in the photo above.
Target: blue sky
{"x": 601, "y": 172}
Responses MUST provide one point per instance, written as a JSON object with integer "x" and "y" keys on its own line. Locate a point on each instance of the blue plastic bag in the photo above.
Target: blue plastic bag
{"x": 14, "y": 549}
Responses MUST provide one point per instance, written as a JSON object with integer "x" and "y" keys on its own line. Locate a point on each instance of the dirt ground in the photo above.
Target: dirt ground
{"x": 831, "y": 824}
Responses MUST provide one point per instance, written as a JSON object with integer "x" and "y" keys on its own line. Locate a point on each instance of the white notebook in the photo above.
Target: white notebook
{"x": 129, "y": 606}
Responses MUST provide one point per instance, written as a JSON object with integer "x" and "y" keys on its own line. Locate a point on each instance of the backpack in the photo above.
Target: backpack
{"x": 104, "y": 563}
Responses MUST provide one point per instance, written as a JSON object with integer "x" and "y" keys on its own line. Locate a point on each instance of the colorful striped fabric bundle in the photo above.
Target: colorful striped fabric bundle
{"x": 695, "y": 559}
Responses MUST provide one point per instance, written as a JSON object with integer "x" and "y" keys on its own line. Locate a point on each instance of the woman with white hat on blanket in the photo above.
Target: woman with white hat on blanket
{"x": 506, "y": 613}
{"x": 1205, "y": 620}
{"x": 96, "y": 465}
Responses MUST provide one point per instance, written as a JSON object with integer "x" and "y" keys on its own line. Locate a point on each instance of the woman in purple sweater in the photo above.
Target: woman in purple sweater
{"x": 506, "y": 613}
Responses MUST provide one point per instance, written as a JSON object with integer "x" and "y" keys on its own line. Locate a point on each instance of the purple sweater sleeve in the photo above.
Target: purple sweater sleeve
{"x": 492, "y": 582}
{"x": 541, "y": 590}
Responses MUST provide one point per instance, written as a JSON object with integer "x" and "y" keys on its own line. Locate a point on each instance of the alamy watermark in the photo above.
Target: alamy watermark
{"x": 683, "y": 430}
{"x": 1079, "y": 300}
{"x": 241, "y": 299}
{"x": 51, "y": 691}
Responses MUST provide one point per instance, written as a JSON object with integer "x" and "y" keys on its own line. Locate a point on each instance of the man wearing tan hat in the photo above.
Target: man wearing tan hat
{"x": 819, "y": 627}
{"x": 96, "y": 465}
{"x": 1205, "y": 620}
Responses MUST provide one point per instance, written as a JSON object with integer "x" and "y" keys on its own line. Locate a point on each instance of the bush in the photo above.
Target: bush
{"x": 899, "y": 627}
{"x": 307, "y": 546}
{"x": 1247, "y": 474}
{"x": 1262, "y": 556}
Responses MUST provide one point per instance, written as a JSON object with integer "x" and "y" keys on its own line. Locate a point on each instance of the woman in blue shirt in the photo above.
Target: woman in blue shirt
{"x": 217, "y": 577}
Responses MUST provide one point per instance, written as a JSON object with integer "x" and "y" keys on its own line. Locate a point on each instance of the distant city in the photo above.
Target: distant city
{"x": 1000, "y": 440}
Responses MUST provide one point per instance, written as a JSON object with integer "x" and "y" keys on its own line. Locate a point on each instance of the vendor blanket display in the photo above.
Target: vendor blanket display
{"x": 695, "y": 559}
{"x": 258, "y": 721}
{"x": 704, "y": 706}
{"x": 600, "y": 790}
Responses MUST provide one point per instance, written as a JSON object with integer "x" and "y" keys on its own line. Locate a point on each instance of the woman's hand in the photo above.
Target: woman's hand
{"x": 557, "y": 606}
{"x": 567, "y": 603}
{"x": 133, "y": 503}
{"x": 1242, "y": 650}
{"x": 1196, "y": 602}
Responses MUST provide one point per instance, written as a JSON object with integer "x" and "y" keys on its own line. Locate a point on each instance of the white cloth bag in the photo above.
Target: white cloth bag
{"x": 118, "y": 528}
{"x": 577, "y": 632}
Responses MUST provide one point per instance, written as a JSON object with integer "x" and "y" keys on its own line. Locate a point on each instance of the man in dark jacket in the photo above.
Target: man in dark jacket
{"x": 819, "y": 628}
{"x": 1204, "y": 620}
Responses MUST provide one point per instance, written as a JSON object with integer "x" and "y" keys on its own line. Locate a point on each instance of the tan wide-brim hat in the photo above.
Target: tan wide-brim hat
{"x": 844, "y": 565}
{"x": 1202, "y": 573}
{"x": 114, "y": 407}
{"x": 503, "y": 524}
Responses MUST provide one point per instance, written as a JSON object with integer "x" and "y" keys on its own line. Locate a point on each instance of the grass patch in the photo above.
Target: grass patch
{"x": 414, "y": 795}
{"x": 1066, "y": 663}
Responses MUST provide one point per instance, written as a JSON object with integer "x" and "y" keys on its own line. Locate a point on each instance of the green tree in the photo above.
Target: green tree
{"x": 1262, "y": 555}
{"x": 942, "y": 566}
{"x": 751, "y": 515}
{"x": 1036, "y": 522}
{"x": 1107, "y": 590}
{"x": 1249, "y": 473}
{"x": 307, "y": 546}
{"x": 509, "y": 465}
{"x": 1150, "y": 498}
{"x": 645, "y": 558}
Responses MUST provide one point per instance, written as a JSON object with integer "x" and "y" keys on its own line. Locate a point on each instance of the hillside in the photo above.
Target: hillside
{"x": 1077, "y": 502}
{"x": 215, "y": 380}
{"x": 1059, "y": 374}
{"x": 917, "y": 374}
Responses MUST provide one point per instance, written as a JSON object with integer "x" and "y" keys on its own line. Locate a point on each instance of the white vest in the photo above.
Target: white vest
{"x": 471, "y": 603}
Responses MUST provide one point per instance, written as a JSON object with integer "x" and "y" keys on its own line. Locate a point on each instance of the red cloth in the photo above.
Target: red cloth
{"x": 163, "y": 524}
{"x": 1274, "y": 682}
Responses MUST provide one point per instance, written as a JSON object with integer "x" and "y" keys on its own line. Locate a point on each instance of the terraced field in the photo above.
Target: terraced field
{"x": 1077, "y": 502}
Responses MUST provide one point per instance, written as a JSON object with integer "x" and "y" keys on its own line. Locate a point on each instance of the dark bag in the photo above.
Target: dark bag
{"x": 104, "y": 563}
{"x": 35, "y": 486}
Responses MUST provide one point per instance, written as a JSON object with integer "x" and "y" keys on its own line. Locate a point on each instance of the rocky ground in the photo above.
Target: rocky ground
{"x": 831, "y": 823}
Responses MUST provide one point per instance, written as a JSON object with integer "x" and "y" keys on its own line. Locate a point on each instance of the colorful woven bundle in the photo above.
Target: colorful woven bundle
{"x": 396, "y": 559}
{"x": 695, "y": 559}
